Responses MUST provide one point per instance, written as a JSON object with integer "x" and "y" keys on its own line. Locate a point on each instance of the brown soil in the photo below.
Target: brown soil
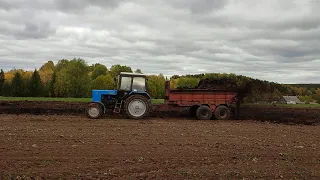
{"x": 286, "y": 115}
{"x": 74, "y": 147}
{"x": 41, "y": 107}
{"x": 308, "y": 116}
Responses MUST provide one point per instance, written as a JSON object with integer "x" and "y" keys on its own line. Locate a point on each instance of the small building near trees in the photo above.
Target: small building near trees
{"x": 290, "y": 100}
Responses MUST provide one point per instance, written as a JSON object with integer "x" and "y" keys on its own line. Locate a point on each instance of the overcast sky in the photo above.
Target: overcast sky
{"x": 274, "y": 40}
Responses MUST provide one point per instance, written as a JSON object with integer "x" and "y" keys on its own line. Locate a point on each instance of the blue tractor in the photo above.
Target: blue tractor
{"x": 130, "y": 97}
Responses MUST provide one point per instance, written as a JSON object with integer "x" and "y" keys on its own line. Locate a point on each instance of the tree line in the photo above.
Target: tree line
{"x": 69, "y": 78}
{"x": 75, "y": 78}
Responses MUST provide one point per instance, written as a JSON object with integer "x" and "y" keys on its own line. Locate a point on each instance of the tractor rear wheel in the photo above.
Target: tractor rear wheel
{"x": 222, "y": 113}
{"x": 94, "y": 110}
{"x": 204, "y": 113}
{"x": 137, "y": 106}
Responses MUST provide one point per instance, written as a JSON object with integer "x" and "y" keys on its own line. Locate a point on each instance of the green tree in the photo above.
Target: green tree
{"x": 99, "y": 70}
{"x": 103, "y": 82}
{"x": 186, "y": 82}
{"x": 26, "y": 76}
{"x": 48, "y": 66}
{"x": 46, "y": 89}
{"x": 306, "y": 99}
{"x": 93, "y": 66}
{"x": 51, "y": 84}
{"x": 317, "y": 95}
{"x": 156, "y": 86}
{"x": 61, "y": 64}
{"x": 152, "y": 86}
{"x": 77, "y": 73}
{"x": 73, "y": 80}
{"x": 138, "y": 71}
{"x": 35, "y": 85}
{"x": 116, "y": 69}
{"x": 161, "y": 86}
{"x": 173, "y": 83}
{"x": 46, "y": 72}
{"x": 6, "y": 89}
{"x": 2, "y": 79}
{"x": 17, "y": 85}
{"x": 61, "y": 85}
{"x": 175, "y": 77}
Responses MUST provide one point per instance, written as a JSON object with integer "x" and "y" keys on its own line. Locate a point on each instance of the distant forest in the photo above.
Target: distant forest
{"x": 75, "y": 78}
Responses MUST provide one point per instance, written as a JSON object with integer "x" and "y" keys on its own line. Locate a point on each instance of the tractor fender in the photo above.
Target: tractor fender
{"x": 103, "y": 106}
{"x": 140, "y": 93}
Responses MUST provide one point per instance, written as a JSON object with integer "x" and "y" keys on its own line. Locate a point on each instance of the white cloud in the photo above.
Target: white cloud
{"x": 271, "y": 40}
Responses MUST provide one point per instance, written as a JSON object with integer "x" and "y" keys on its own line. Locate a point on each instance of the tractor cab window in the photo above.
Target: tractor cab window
{"x": 125, "y": 84}
{"x": 133, "y": 84}
{"x": 139, "y": 84}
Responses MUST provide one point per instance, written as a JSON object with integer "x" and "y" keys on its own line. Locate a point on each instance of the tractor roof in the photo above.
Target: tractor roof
{"x": 132, "y": 74}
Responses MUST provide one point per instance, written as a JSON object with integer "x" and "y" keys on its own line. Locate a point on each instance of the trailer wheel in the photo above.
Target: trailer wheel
{"x": 94, "y": 110}
{"x": 204, "y": 113}
{"x": 137, "y": 107}
{"x": 222, "y": 113}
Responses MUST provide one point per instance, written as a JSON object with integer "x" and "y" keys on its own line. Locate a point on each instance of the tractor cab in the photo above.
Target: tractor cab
{"x": 129, "y": 83}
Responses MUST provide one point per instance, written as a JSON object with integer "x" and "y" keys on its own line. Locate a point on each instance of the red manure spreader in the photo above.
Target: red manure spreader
{"x": 204, "y": 104}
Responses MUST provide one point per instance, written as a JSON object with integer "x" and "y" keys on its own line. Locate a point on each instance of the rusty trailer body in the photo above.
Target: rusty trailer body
{"x": 205, "y": 103}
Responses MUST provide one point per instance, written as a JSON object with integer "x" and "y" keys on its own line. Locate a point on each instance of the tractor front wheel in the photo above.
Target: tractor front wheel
{"x": 137, "y": 106}
{"x": 94, "y": 110}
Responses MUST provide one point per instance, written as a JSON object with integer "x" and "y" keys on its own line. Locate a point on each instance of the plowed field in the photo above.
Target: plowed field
{"x": 74, "y": 147}
{"x": 285, "y": 115}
